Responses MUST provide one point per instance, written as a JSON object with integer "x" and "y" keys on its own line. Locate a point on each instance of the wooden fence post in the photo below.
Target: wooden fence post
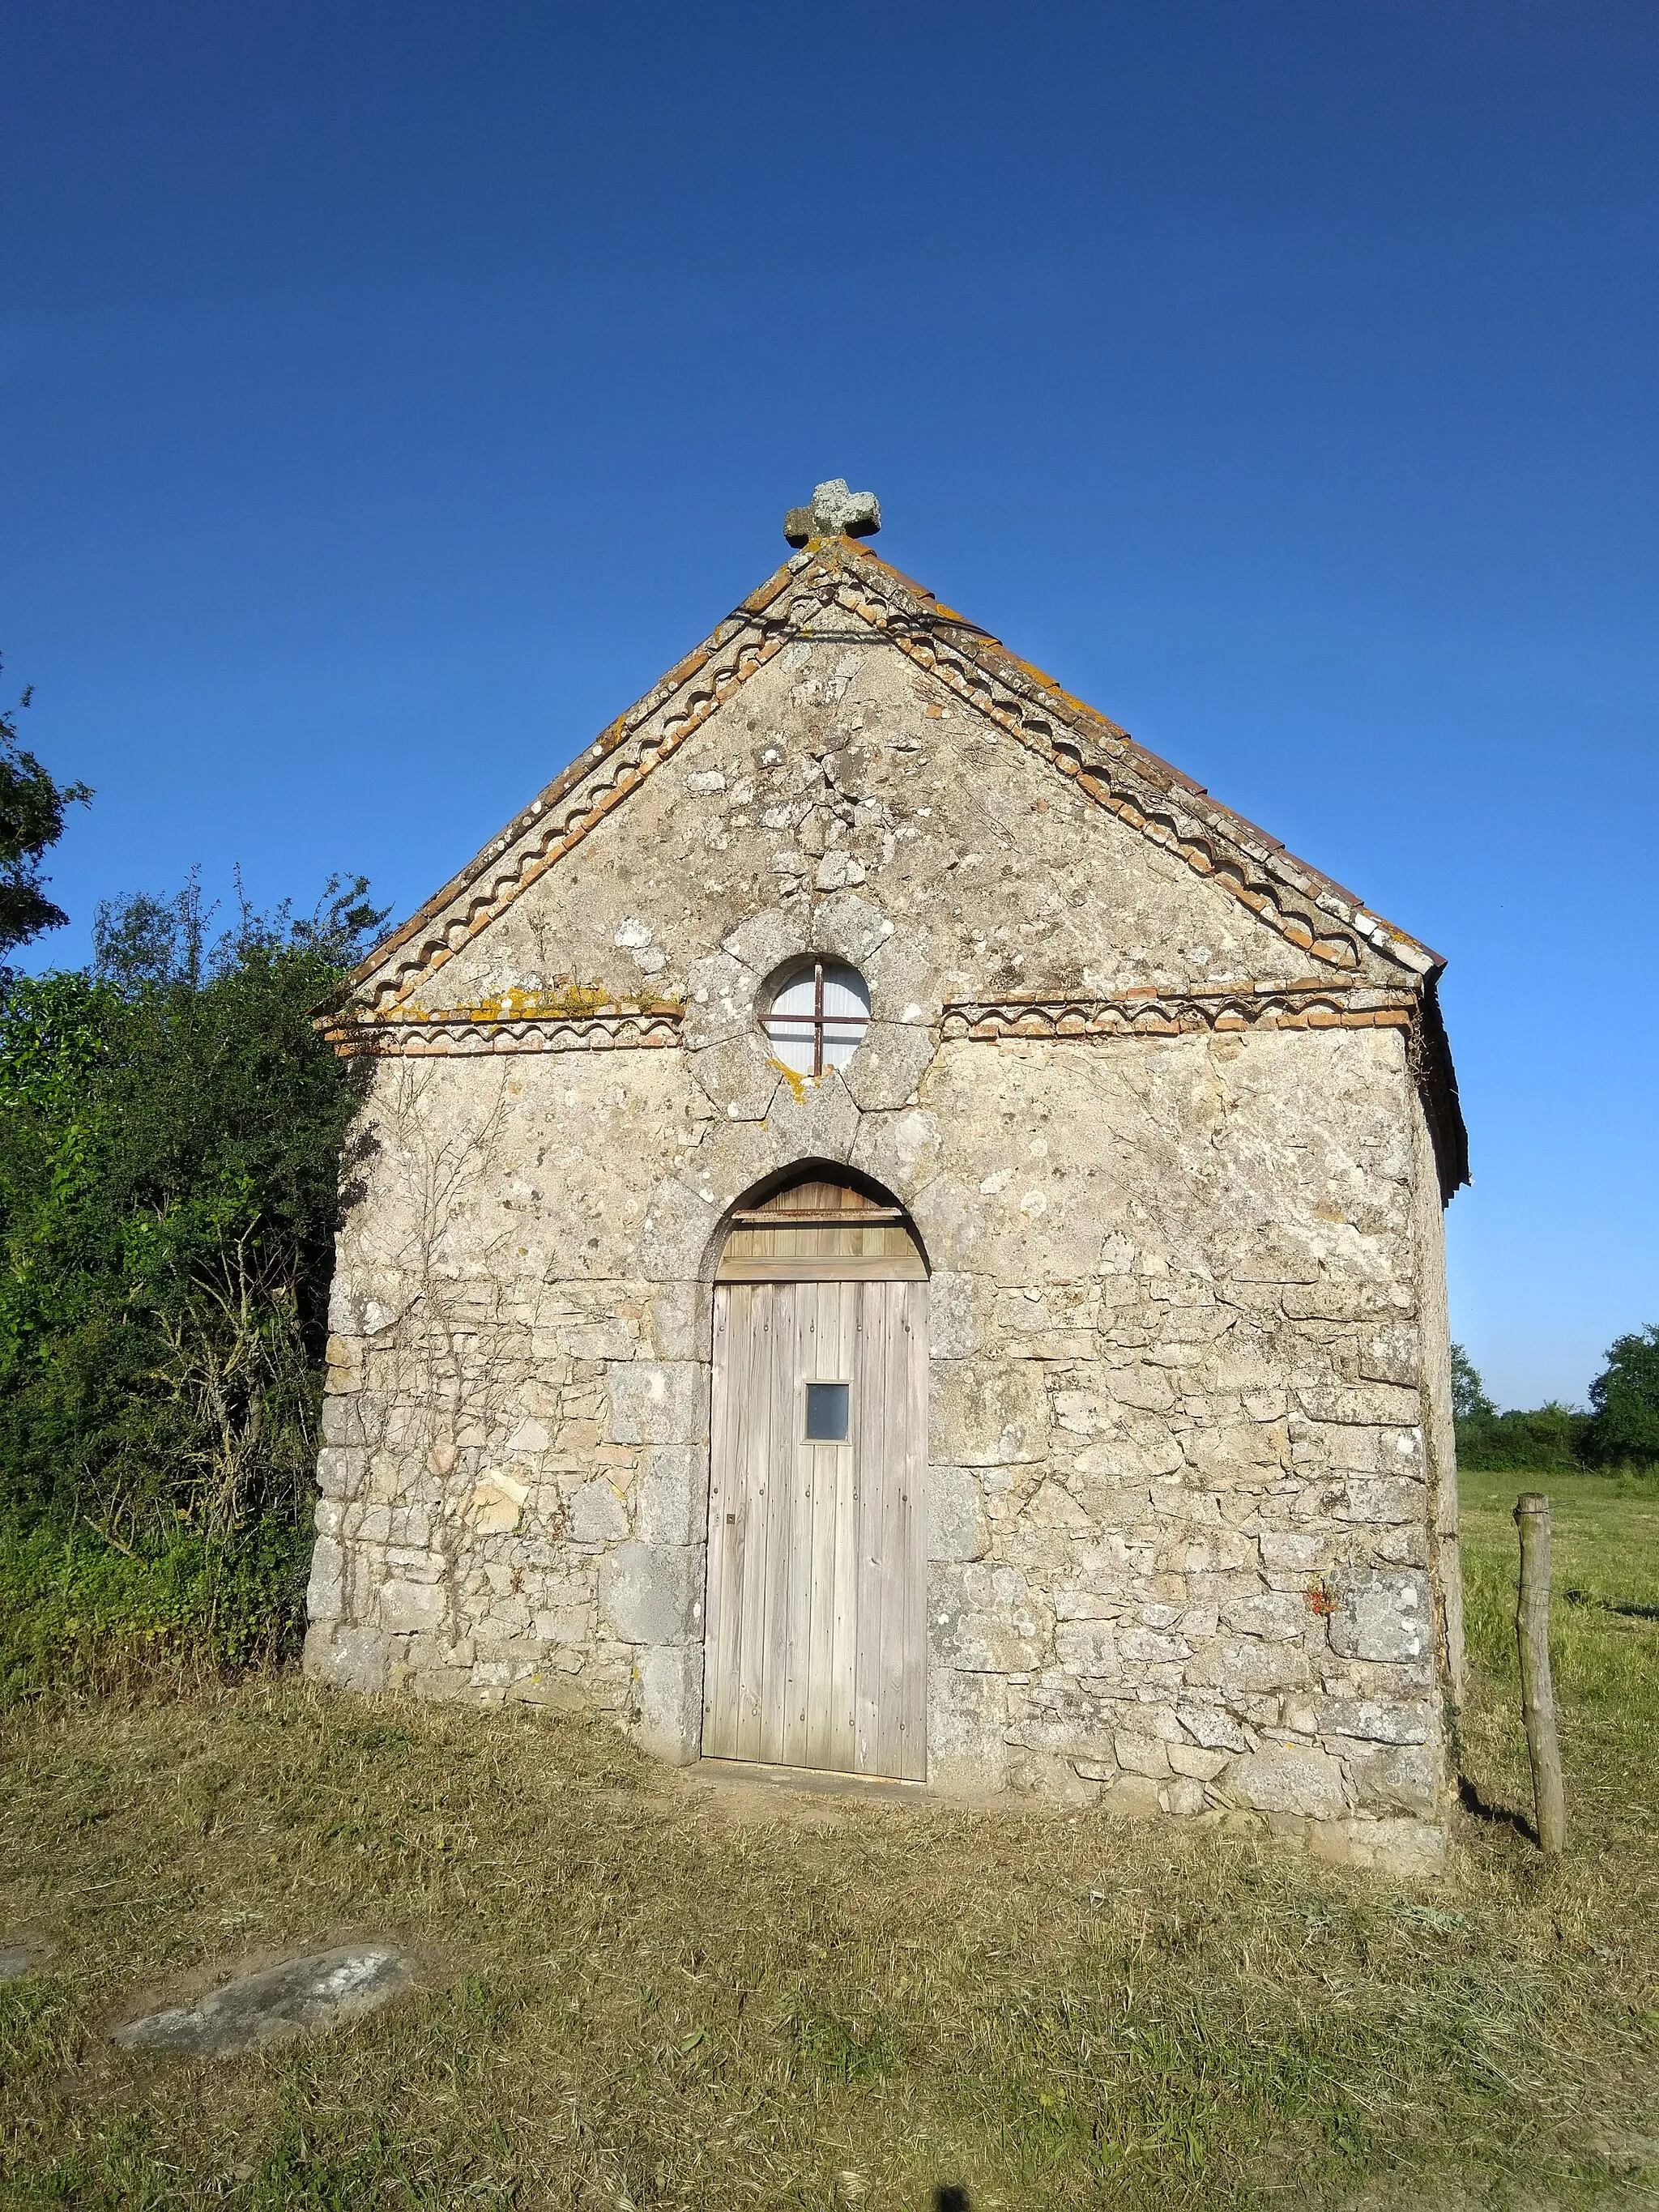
{"x": 1532, "y": 1635}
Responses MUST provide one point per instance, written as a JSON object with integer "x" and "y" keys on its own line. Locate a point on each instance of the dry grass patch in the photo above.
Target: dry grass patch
{"x": 639, "y": 1993}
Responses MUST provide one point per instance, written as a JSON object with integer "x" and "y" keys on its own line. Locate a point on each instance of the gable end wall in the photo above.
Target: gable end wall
{"x": 1190, "y": 1487}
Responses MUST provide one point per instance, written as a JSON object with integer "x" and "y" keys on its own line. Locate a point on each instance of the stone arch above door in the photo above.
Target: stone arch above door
{"x": 821, "y": 1228}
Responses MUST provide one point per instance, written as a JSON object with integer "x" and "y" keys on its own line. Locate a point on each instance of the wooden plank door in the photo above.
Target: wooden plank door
{"x": 815, "y": 1633}
{"x": 892, "y": 1690}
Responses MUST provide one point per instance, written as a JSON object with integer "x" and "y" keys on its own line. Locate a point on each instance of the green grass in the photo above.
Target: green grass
{"x": 77, "y": 1613}
{"x": 1604, "y": 1647}
{"x": 641, "y": 1991}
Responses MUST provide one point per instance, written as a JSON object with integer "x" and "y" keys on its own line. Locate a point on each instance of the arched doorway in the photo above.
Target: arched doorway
{"x": 816, "y": 1630}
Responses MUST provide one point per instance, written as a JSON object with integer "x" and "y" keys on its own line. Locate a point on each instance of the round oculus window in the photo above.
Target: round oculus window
{"x": 818, "y": 1016}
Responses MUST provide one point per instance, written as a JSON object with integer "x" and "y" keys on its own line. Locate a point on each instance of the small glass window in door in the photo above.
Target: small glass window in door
{"x": 827, "y": 1412}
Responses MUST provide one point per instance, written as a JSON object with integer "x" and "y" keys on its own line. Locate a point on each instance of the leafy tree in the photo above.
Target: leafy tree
{"x": 170, "y": 1134}
{"x": 1469, "y": 1399}
{"x": 32, "y": 808}
{"x": 1625, "y": 1401}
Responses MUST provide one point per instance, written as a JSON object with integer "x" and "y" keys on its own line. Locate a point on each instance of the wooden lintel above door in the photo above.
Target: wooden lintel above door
{"x": 821, "y": 1267}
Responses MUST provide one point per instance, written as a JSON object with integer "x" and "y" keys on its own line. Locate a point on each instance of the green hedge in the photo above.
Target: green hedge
{"x": 171, "y": 1127}
{"x": 77, "y": 1613}
{"x": 1551, "y": 1438}
{"x": 1619, "y": 1432}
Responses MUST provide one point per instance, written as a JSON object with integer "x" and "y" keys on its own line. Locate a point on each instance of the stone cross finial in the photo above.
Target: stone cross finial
{"x": 835, "y": 512}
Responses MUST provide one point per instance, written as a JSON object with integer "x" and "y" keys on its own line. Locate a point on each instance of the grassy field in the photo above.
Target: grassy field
{"x": 641, "y": 1990}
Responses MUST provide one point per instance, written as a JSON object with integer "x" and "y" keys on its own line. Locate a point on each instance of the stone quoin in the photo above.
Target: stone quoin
{"x": 888, "y": 1230}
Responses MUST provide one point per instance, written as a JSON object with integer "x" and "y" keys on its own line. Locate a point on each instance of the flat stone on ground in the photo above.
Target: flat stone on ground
{"x": 21, "y": 1954}
{"x": 295, "y": 1998}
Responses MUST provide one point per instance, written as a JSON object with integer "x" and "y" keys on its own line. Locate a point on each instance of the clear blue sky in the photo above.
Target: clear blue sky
{"x": 393, "y": 392}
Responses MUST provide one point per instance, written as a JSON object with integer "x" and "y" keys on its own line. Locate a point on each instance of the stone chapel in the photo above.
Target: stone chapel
{"x": 889, "y": 1233}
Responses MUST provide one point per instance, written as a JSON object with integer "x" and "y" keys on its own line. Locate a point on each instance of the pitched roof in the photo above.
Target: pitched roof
{"x": 1146, "y": 794}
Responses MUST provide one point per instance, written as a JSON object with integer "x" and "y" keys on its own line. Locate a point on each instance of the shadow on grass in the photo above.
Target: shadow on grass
{"x": 1611, "y": 1604}
{"x": 1495, "y": 1816}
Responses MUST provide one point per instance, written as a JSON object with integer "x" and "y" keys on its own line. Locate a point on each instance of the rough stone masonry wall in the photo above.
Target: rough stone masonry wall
{"x": 1192, "y": 1508}
{"x": 1185, "y": 1436}
{"x": 513, "y": 1498}
{"x": 1180, "y": 1482}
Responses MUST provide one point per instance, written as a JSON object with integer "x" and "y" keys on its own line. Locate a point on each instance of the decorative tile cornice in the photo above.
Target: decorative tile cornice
{"x": 441, "y": 1036}
{"x": 574, "y": 802}
{"x": 1144, "y": 792}
{"x": 1152, "y": 1012}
